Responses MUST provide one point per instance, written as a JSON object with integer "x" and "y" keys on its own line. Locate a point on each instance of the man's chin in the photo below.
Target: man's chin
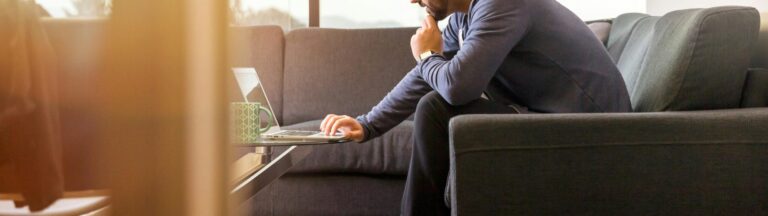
{"x": 438, "y": 16}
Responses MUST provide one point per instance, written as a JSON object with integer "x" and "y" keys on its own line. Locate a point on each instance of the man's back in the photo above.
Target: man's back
{"x": 558, "y": 66}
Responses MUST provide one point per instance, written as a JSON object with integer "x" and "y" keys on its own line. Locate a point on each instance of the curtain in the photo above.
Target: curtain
{"x": 30, "y": 146}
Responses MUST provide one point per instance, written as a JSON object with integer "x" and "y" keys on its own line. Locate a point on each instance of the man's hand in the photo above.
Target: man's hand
{"x": 349, "y": 126}
{"x": 427, "y": 38}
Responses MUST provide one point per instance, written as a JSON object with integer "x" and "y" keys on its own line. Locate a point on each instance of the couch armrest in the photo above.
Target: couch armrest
{"x": 644, "y": 163}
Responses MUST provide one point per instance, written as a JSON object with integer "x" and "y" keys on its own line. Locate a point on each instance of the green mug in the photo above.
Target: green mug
{"x": 247, "y": 123}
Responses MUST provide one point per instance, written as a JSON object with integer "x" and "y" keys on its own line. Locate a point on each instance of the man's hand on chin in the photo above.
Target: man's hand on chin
{"x": 427, "y": 38}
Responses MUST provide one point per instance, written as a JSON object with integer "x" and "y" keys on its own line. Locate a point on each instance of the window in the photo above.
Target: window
{"x": 76, "y": 8}
{"x": 291, "y": 14}
{"x": 376, "y": 13}
{"x": 369, "y": 14}
{"x": 288, "y": 14}
{"x": 600, "y": 9}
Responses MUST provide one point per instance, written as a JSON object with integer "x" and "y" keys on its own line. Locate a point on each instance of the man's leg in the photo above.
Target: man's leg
{"x": 425, "y": 186}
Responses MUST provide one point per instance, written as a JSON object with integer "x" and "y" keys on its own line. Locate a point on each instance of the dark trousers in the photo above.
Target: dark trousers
{"x": 428, "y": 172}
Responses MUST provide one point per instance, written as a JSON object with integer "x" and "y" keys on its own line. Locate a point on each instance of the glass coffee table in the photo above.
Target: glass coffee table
{"x": 265, "y": 162}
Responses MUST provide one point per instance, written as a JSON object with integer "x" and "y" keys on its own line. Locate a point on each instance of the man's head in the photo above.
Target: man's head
{"x": 439, "y": 9}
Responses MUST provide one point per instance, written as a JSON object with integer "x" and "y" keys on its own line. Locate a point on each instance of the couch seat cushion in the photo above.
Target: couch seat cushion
{"x": 389, "y": 154}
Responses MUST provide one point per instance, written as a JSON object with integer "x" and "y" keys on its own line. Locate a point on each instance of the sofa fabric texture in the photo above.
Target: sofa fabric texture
{"x": 756, "y": 89}
{"x": 342, "y": 71}
{"x": 386, "y": 155}
{"x": 684, "y": 59}
{"x": 621, "y": 30}
{"x": 676, "y": 163}
{"x": 602, "y": 29}
{"x": 328, "y": 194}
{"x": 760, "y": 59}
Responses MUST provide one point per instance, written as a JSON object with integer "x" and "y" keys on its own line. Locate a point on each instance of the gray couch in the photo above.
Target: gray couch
{"x": 690, "y": 148}
{"x": 696, "y": 146}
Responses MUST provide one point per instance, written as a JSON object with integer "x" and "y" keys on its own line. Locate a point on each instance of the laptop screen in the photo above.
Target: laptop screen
{"x": 250, "y": 89}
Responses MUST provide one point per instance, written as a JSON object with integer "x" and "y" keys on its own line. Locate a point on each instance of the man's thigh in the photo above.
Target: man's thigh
{"x": 484, "y": 106}
{"x": 433, "y": 106}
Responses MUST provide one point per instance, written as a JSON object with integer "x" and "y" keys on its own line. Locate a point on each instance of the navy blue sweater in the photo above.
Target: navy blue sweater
{"x": 533, "y": 53}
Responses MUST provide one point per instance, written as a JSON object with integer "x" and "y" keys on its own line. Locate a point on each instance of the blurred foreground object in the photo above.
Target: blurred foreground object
{"x": 30, "y": 149}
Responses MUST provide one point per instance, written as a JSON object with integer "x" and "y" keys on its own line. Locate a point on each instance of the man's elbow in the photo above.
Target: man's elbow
{"x": 458, "y": 96}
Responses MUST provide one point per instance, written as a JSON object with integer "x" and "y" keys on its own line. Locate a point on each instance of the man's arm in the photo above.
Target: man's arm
{"x": 451, "y": 36}
{"x": 495, "y": 28}
{"x": 395, "y": 107}
{"x": 401, "y": 102}
{"x": 398, "y": 105}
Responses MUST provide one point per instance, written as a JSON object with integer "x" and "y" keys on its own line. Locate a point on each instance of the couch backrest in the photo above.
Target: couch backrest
{"x": 601, "y": 28}
{"x": 259, "y": 47}
{"x": 342, "y": 71}
{"x": 756, "y": 86}
{"x": 686, "y": 60}
{"x": 760, "y": 59}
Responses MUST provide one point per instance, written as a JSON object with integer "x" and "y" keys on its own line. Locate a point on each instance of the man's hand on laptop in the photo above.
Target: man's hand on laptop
{"x": 349, "y": 126}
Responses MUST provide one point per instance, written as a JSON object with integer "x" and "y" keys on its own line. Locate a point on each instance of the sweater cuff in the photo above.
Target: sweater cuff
{"x": 366, "y": 128}
{"x": 425, "y": 62}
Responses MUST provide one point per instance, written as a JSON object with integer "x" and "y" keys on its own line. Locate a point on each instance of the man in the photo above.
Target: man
{"x": 495, "y": 56}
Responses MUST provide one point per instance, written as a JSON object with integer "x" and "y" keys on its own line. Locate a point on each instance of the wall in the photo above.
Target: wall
{"x": 602, "y": 9}
{"x": 660, "y": 7}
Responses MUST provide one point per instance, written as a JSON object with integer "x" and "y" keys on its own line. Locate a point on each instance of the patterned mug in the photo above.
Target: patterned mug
{"x": 247, "y": 121}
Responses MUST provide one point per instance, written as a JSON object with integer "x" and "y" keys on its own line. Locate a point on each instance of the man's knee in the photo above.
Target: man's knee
{"x": 431, "y": 102}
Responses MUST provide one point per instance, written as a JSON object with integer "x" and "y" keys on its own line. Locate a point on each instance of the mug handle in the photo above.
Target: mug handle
{"x": 269, "y": 123}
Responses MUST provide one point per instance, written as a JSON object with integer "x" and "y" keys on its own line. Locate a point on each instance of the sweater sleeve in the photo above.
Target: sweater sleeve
{"x": 401, "y": 102}
{"x": 398, "y": 105}
{"x": 451, "y": 36}
{"x": 495, "y": 27}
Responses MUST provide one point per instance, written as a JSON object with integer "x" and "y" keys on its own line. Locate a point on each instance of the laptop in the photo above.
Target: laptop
{"x": 251, "y": 90}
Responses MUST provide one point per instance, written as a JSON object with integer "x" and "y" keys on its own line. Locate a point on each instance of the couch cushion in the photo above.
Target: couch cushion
{"x": 259, "y": 47}
{"x": 686, "y": 60}
{"x": 389, "y": 154}
{"x": 621, "y": 29}
{"x": 756, "y": 89}
{"x": 601, "y": 28}
{"x": 342, "y": 71}
{"x": 636, "y": 48}
{"x": 336, "y": 195}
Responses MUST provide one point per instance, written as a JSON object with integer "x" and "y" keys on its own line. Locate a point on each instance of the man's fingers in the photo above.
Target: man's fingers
{"x": 334, "y": 128}
{"x": 328, "y": 120}
{"x": 330, "y": 123}
{"x": 325, "y": 121}
{"x": 322, "y": 123}
{"x": 431, "y": 23}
